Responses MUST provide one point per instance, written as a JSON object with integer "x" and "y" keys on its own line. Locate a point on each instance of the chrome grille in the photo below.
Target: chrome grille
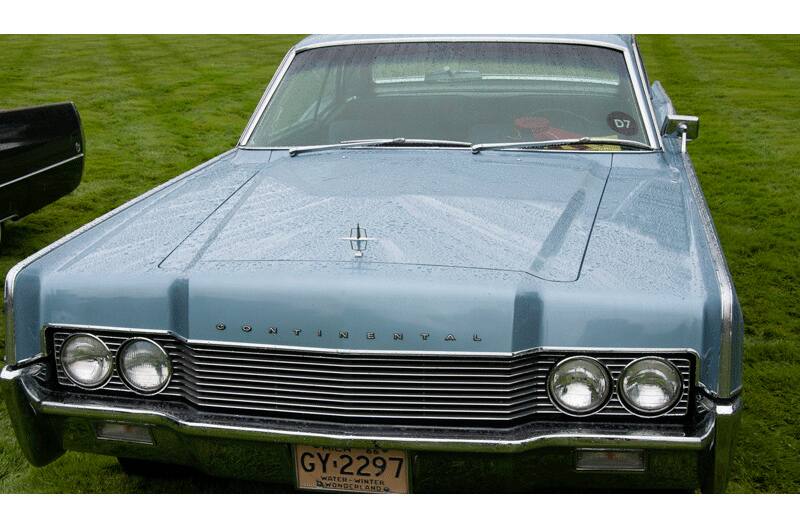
{"x": 401, "y": 388}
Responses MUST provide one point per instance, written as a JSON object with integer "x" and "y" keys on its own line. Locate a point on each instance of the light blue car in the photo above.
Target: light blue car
{"x": 431, "y": 263}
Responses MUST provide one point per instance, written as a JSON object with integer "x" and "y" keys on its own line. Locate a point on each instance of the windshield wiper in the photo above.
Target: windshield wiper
{"x": 381, "y": 142}
{"x": 478, "y": 147}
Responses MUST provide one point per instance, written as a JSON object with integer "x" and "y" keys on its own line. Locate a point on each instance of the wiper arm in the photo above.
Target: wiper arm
{"x": 422, "y": 141}
{"x": 380, "y": 142}
{"x": 294, "y": 151}
{"x": 478, "y": 147}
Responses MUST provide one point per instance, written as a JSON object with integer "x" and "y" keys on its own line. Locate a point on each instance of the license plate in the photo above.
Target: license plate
{"x": 351, "y": 469}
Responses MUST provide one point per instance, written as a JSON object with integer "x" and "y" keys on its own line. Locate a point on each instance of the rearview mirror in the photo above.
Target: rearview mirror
{"x": 685, "y": 127}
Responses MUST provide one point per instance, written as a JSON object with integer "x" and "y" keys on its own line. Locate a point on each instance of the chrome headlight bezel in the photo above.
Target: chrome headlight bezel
{"x": 104, "y": 352}
{"x": 609, "y": 381}
{"x": 626, "y": 401}
{"x": 123, "y": 375}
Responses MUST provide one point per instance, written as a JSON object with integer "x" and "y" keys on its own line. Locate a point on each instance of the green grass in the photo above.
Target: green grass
{"x": 154, "y": 106}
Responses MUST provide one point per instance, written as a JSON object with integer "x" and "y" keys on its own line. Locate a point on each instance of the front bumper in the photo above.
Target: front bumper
{"x": 530, "y": 457}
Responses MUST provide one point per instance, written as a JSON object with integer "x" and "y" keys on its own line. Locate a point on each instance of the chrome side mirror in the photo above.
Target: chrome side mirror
{"x": 687, "y": 127}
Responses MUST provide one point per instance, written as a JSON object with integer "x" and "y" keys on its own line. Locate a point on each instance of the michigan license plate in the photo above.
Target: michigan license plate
{"x": 351, "y": 469}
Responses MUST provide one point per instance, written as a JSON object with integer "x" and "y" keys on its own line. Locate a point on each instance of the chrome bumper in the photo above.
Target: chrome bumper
{"x": 48, "y": 423}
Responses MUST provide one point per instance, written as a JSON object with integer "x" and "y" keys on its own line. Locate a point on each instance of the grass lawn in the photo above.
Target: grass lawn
{"x": 155, "y": 106}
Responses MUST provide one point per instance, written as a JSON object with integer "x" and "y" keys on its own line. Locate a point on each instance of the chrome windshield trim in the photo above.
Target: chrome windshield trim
{"x": 267, "y": 96}
{"x": 645, "y": 110}
{"x": 646, "y": 90}
{"x": 460, "y": 38}
{"x": 466, "y": 149}
{"x": 11, "y": 277}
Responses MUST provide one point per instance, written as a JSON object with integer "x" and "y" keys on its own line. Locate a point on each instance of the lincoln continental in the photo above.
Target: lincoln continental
{"x": 430, "y": 263}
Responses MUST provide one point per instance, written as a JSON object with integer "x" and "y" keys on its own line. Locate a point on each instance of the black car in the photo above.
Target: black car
{"x": 41, "y": 157}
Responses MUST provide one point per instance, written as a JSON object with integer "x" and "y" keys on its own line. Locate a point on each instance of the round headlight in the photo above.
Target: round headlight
{"x": 579, "y": 385}
{"x": 144, "y": 366}
{"x": 650, "y": 386}
{"x": 86, "y": 360}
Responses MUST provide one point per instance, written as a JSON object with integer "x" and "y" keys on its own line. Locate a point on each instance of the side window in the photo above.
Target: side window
{"x": 295, "y": 103}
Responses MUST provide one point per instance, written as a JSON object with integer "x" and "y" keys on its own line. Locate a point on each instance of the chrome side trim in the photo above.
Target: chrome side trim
{"x": 725, "y": 387}
{"x": 644, "y": 110}
{"x": 22, "y": 364}
{"x": 728, "y": 419}
{"x": 42, "y": 170}
{"x": 8, "y": 292}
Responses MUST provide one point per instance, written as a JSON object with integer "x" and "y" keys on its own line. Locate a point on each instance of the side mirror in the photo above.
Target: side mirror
{"x": 687, "y": 127}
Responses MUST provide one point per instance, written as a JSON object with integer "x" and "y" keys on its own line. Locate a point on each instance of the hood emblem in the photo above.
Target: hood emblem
{"x": 358, "y": 240}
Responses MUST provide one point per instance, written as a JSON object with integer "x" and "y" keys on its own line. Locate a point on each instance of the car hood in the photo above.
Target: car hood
{"x": 175, "y": 260}
{"x": 529, "y": 212}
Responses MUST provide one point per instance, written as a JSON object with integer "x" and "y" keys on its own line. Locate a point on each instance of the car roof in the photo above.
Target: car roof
{"x": 616, "y": 41}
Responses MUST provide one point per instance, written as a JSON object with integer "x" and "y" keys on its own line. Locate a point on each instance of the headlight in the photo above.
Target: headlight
{"x": 144, "y": 366}
{"x": 650, "y": 386}
{"x": 86, "y": 360}
{"x": 579, "y": 385}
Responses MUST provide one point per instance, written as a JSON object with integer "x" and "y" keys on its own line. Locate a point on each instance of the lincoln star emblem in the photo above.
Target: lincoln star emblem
{"x": 358, "y": 240}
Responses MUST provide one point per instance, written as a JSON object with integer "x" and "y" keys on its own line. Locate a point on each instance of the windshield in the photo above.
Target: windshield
{"x": 474, "y": 92}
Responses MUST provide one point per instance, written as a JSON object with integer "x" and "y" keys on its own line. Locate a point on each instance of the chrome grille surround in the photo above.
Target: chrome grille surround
{"x": 405, "y": 387}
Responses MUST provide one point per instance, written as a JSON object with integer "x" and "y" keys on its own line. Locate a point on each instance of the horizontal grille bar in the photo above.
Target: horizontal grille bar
{"x": 401, "y": 388}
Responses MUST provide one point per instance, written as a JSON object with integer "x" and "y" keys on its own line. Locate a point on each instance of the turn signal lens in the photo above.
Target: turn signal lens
{"x": 579, "y": 385}
{"x": 86, "y": 360}
{"x": 609, "y": 460}
{"x": 131, "y": 433}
